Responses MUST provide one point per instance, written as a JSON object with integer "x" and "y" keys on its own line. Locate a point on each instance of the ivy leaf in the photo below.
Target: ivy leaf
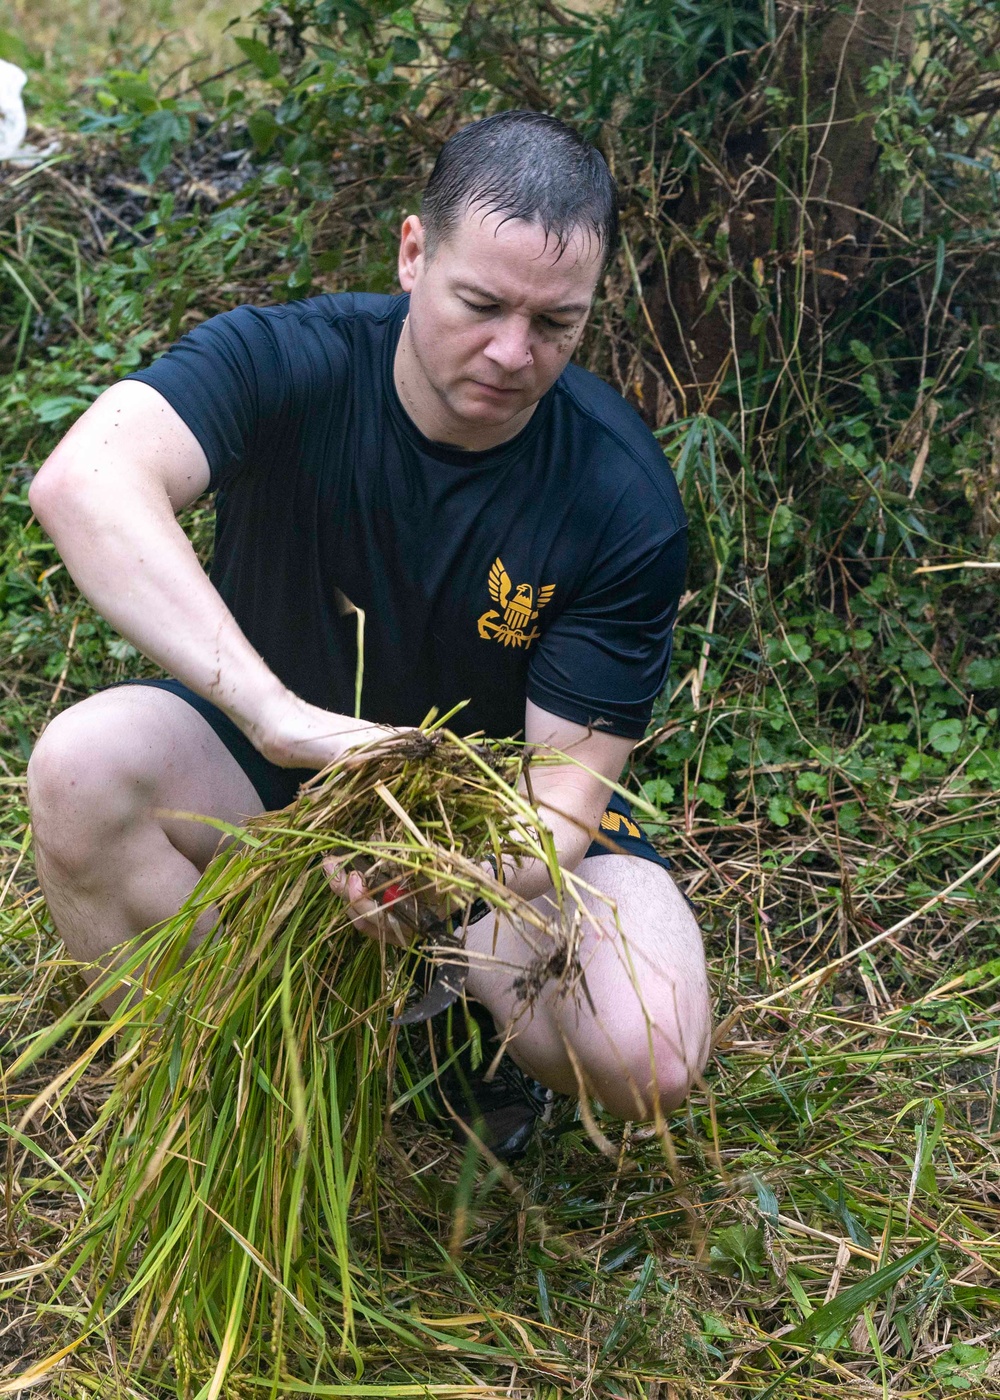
{"x": 740, "y": 1249}
{"x": 961, "y": 1366}
{"x": 817, "y": 783}
{"x": 849, "y": 817}
{"x": 799, "y": 646}
{"x": 794, "y": 645}
{"x": 714, "y": 796}
{"x": 983, "y": 674}
{"x": 945, "y": 735}
{"x": 716, "y": 764}
{"x": 659, "y": 791}
{"x": 912, "y": 766}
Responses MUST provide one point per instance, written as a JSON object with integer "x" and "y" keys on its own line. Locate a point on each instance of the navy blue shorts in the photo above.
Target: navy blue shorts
{"x": 620, "y": 833}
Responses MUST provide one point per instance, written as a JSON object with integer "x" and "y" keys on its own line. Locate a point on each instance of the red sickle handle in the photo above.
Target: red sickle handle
{"x": 392, "y": 892}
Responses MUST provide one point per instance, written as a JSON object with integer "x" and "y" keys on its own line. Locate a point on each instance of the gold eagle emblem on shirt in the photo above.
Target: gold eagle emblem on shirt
{"x": 520, "y": 609}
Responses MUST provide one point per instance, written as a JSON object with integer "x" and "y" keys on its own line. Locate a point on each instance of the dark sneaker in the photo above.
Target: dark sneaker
{"x": 502, "y": 1111}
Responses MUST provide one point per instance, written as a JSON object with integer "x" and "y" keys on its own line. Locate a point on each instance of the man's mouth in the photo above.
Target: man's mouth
{"x": 495, "y": 388}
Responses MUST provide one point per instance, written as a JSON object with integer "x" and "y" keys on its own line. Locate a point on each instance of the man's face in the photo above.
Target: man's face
{"x": 495, "y": 314}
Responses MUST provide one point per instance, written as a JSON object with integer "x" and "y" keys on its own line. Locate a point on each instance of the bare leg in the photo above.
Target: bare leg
{"x": 644, "y": 1033}
{"x": 101, "y": 776}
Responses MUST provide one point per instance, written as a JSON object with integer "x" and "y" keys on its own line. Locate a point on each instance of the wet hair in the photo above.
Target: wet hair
{"x": 523, "y": 165}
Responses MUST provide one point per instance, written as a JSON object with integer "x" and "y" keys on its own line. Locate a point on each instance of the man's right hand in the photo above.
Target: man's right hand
{"x": 294, "y": 734}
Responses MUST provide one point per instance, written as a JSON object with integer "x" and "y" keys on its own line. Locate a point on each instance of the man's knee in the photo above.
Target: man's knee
{"x": 78, "y": 787}
{"x": 642, "y": 1066}
{"x": 650, "y": 1035}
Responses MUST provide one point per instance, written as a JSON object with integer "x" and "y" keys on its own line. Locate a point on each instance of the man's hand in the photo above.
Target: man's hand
{"x": 389, "y": 911}
{"x": 389, "y": 921}
{"x": 294, "y": 734}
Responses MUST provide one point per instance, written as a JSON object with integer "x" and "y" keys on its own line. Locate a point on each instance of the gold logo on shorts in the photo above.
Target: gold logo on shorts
{"x": 614, "y": 821}
{"x": 514, "y": 628}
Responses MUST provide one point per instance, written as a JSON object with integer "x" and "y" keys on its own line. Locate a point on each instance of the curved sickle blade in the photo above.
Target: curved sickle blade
{"x": 444, "y": 991}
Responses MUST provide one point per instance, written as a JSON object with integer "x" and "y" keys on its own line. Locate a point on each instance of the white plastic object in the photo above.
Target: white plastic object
{"x": 13, "y": 122}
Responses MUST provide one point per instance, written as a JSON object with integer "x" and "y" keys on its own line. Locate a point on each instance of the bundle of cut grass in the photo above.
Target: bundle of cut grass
{"x": 239, "y": 1140}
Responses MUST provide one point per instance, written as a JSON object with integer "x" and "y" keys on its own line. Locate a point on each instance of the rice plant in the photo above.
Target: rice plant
{"x": 241, "y": 1135}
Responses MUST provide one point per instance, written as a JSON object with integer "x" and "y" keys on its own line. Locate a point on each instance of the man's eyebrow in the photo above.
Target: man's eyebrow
{"x": 574, "y": 307}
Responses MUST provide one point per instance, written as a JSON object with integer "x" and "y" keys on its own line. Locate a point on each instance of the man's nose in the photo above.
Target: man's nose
{"x": 510, "y": 348}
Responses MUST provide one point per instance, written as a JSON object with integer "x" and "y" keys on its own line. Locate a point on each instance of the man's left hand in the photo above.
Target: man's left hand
{"x": 375, "y": 920}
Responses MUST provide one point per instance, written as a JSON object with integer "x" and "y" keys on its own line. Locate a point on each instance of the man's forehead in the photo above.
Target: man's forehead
{"x": 579, "y": 244}
{"x": 488, "y": 250}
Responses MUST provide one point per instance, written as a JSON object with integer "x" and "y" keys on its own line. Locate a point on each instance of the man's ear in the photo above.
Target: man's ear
{"x": 412, "y": 251}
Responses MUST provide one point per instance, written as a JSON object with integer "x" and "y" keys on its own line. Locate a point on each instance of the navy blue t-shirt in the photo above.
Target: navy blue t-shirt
{"x": 549, "y": 567}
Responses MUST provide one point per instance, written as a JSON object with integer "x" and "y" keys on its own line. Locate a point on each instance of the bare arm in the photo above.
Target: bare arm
{"x": 567, "y": 788}
{"x": 108, "y": 496}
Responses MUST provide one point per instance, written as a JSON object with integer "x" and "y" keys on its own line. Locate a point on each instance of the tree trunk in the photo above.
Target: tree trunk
{"x": 783, "y": 227}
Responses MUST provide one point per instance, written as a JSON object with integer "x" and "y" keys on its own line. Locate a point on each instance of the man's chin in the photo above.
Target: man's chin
{"x": 479, "y": 405}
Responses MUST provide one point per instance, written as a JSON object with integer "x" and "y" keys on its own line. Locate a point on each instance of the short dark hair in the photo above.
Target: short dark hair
{"x": 523, "y": 165}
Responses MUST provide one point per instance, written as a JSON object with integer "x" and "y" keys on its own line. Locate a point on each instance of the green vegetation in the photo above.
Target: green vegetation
{"x": 822, "y": 1217}
{"x": 255, "y": 1197}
